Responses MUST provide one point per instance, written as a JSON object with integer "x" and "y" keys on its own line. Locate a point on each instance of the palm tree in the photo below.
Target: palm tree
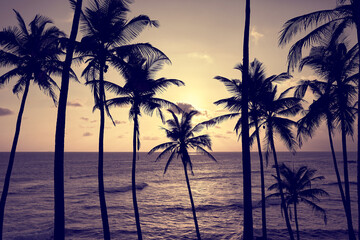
{"x": 139, "y": 92}
{"x": 258, "y": 86}
{"x": 337, "y": 66}
{"x": 276, "y": 109}
{"x": 296, "y": 185}
{"x": 246, "y": 161}
{"x": 182, "y": 136}
{"x": 106, "y": 31}
{"x": 34, "y": 54}
{"x": 341, "y": 17}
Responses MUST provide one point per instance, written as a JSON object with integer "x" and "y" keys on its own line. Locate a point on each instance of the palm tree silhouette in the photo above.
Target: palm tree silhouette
{"x": 337, "y": 66}
{"x": 106, "y": 31}
{"x": 276, "y": 109}
{"x": 258, "y": 86}
{"x": 139, "y": 92}
{"x": 59, "y": 206}
{"x": 324, "y": 21}
{"x": 296, "y": 185}
{"x": 182, "y": 136}
{"x": 246, "y": 161}
{"x": 34, "y": 54}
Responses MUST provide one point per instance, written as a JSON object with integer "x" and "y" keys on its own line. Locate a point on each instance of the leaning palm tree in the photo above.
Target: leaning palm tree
{"x": 59, "y": 206}
{"x": 182, "y": 136}
{"x": 337, "y": 66}
{"x": 139, "y": 92}
{"x": 258, "y": 86}
{"x": 34, "y": 53}
{"x": 320, "y": 24}
{"x": 106, "y": 31}
{"x": 297, "y": 187}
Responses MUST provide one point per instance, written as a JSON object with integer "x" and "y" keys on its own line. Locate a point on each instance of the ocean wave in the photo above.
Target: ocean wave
{"x": 140, "y": 186}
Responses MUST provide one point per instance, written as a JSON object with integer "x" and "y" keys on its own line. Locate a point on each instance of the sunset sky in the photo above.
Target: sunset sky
{"x": 203, "y": 38}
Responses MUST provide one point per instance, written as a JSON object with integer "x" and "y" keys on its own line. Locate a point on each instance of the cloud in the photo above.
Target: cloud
{"x": 121, "y": 136}
{"x": 5, "y": 112}
{"x": 147, "y": 138}
{"x": 255, "y": 35}
{"x": 220, "y": 136}
{"x": 120, "y": 122}
{"x": 201, "y": 56}
{"x": 229, "y": 132}
{"x": 74, "y": 104}
{"x": 84, "y": 118}
{"x": 87, "y": 134}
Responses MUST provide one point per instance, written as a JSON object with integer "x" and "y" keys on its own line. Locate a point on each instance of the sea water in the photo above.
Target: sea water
{"x": 163, "y": 200}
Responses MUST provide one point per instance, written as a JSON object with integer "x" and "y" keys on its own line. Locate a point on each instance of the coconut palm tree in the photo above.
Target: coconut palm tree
{"x": 258, "y": 86}
{"x": 106, "y": 31}
{"x": 139, "y": 92}
{"x": 59, "y": 221}
{"x": 182, "y": 135}
{"x": 33, "y": 52}
{"x": 297, "y": 187}
{"x": 276, "y": 111}
{"x": 321, "y": 23}
{"x": 335, "y": 64}
{"x": 245, "y": 140}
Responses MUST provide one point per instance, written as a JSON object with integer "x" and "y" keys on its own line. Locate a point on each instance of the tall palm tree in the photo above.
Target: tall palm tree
{"x": 182, "y": 135}
{"x": 33, "y": 52}
{"x": 276, "y": 110}
{"x": 245, "y": 140}
{"x": 139, "y": 92}
{"x": 321, "y": 22}
{"x": 297, "y": 187}
{"x": 106, "y": 31}
{"x": 59, "y": 221}
{"x": 335, "y": 64}
{"x": 258, "y": 86}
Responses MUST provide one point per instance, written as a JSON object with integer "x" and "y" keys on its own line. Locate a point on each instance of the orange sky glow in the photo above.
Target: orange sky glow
{"x": 202, "y": 38}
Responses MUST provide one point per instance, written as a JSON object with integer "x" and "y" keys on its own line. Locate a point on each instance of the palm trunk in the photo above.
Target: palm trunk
{"x": 59, "y": 206}
{"x": 283, "y": 206}
{"x": 263, "y": 201}
{"x": 103, "y": 209}
{"x": 346, "y": 183}
{"x": 191, "y": 199}
{"x": 356, "y": 13}
{"x": 133, "y": 180}
{"x": 296, "y": 222}
{"x": 348, "y": 217}
{"x": 12, "y": 158}
{"x": 248, "y": 219}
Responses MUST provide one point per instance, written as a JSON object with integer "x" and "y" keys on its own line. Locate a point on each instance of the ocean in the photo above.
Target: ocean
{"x": 164, "y": 205}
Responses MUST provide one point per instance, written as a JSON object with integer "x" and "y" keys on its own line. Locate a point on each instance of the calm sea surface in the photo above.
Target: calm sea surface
{"x": 164, "y": 205}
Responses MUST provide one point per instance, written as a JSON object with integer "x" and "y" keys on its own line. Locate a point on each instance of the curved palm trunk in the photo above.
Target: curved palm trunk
{"x": 191, "y": 198}
{"x": 263, "y": 201}
{"x": 103, "y": 209}
{"x": 12, "y": 158}
{"x": 133, "y": 179}
{"x": 348, "y": 217}
{"x": 296, "y": 222}
{"x": 248, "y": 220}
{"x": 283, "y": 206}
{"x": 59, "y": 206}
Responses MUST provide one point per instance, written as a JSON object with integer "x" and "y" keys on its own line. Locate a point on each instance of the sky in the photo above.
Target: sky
{"x": 202, "y": 38}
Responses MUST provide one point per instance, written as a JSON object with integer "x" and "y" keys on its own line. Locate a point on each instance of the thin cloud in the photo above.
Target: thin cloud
{"x": 5, "y": 112}
{"x": 74, "y": 104}
{"x": 147, "y": 138}
{"x": 255, "y": 35}
{"x": 220, "y": 136}
{"x": 201, "y": 56}
{"x": 120, "y": 122}
{"x": 84, "y": 118}
{"x": 87, "y": 134}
